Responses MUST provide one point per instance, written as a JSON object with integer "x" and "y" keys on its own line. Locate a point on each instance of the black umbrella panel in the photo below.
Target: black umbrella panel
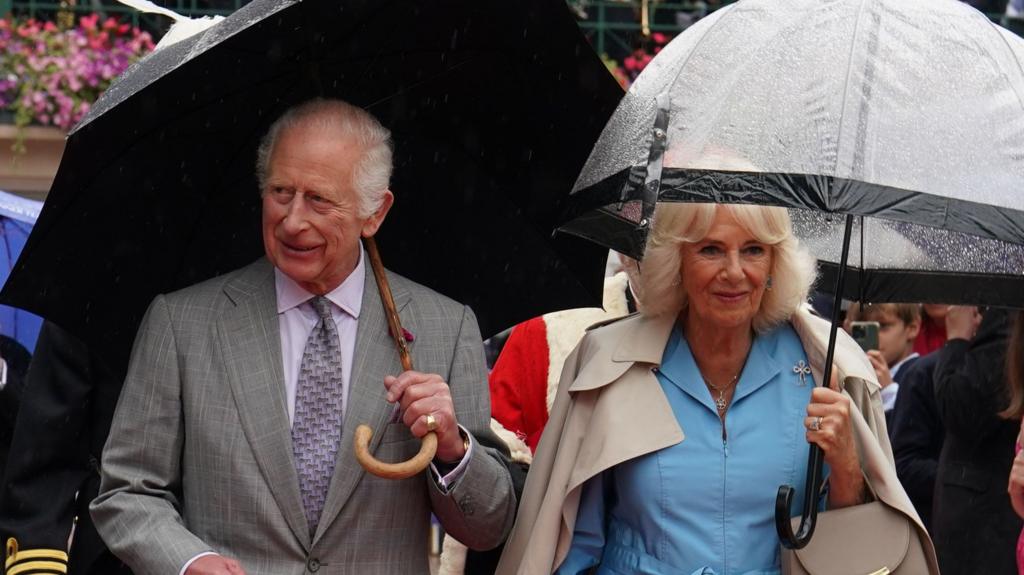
{"x": 493, "y": 109}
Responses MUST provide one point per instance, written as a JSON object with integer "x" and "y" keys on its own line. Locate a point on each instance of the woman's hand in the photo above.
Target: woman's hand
{"x": 829, "y": 427}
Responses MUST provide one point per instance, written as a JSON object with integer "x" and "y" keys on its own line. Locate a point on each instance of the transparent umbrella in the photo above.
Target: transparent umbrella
{"x": 894, "y": 129}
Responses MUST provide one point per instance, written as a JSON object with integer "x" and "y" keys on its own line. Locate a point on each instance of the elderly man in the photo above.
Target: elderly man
{"x": 231, "y": 449}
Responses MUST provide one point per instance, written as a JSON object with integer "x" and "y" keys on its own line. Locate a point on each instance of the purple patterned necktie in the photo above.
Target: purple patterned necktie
{"x": 316, "y": 428}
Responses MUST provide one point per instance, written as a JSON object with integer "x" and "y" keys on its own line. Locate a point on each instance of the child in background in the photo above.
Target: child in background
{"x": 899, "y": 324}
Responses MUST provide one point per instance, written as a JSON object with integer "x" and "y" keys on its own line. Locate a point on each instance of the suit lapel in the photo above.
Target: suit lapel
{"x": 250, "y": 339}
{"x": 375, "y": 357}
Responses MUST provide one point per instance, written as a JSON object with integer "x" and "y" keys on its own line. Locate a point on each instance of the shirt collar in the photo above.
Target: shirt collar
{"x": 348, "y": 296}
{"x": 896, "y": 368}
{"x": 679, "y": 367}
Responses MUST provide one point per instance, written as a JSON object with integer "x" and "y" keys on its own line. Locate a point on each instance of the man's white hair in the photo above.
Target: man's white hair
{"x": 371, "y": 175}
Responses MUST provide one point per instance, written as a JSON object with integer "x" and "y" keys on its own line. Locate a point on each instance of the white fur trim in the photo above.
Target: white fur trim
{"x": 565, "y": 329}
{"x": 520, "y": 451}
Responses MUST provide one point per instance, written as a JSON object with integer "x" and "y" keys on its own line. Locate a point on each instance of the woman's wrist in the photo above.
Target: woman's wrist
{"x": 846, "y": 486}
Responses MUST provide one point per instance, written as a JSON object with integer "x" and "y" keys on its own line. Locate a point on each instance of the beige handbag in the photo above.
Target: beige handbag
{"x": 868, "y": 539}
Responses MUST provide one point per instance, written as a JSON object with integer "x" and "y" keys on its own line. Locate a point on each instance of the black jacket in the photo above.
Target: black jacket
{"x": 973, "y": 524}
{"x": 65, "y": 415}
{"x": 917, "y": 434}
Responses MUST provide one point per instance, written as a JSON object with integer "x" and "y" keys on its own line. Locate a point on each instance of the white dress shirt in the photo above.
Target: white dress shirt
{"x": 297, "y": 318}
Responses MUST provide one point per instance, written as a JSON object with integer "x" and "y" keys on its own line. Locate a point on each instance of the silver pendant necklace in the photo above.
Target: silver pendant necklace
{"x": 720, "y": 402}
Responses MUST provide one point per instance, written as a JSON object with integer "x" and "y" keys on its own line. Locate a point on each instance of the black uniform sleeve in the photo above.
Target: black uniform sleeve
{"x": 49, "y": 459}
{"x": 969, "y": 386}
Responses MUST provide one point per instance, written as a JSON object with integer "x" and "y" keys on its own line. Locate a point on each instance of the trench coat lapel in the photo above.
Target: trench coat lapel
{"x": 375, "y": 357}
{"x": 250, "y": 339}
{"x": 619, "y": 437}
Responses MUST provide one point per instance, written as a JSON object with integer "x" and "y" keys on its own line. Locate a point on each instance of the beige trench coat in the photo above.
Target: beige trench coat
{"x": 618, "y": 412}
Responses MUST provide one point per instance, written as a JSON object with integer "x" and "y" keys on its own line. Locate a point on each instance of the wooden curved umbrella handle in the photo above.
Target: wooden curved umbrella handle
{"x": 393, "y": 470}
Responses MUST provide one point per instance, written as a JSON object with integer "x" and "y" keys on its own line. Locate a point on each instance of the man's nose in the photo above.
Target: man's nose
{"x": 296, "y": 216}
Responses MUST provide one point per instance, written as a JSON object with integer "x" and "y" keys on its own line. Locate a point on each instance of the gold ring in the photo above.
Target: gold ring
{"x": 431, "y": 422}
{"x": 816, "y": 423}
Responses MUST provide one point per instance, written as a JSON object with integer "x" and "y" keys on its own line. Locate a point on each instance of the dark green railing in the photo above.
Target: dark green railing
{"x": 614, "y": 27}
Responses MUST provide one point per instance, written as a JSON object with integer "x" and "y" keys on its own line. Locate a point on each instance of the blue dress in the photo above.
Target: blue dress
{"x": 705, "y": 505}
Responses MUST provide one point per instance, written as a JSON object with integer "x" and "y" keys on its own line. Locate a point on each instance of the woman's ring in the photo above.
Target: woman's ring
{"x": 431, "y": 422}
{"x": 816, "y": 423}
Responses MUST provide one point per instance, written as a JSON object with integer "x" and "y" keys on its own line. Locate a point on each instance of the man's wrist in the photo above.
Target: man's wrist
{"x": 465, "y": 450}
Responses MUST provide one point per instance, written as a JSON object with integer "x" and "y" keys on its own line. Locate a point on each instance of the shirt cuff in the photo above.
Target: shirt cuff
{"x": 448, "y": 481}
{"x": 193, "y": 560}
{"x": 3, "y": 373}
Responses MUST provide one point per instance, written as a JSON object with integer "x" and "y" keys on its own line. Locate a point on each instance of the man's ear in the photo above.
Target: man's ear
{"x": 372, "y": 223}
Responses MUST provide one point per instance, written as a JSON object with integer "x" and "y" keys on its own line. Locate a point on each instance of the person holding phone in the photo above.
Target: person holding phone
{"x": 894, "y": 327}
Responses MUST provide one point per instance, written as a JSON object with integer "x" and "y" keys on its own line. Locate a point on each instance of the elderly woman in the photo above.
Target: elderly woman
{"x": 674, "y": 428}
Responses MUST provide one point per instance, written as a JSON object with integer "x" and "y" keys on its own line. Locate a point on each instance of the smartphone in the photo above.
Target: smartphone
{"x": 865, "y": 333}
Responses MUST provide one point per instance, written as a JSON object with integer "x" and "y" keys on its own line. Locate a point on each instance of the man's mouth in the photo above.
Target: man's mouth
{"x": 298, "y": 249}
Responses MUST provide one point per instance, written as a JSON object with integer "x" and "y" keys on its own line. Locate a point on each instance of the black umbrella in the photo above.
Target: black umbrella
{"x": 493, "y": 108}
{"x": 892, "y": 129}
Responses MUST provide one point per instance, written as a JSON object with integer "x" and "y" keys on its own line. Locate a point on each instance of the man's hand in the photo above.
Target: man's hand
{"x": 215, "y": 565}
{"x": 423, "y": 394}
{"x": 962, "y": 322}
{"x": 881, "y": 367}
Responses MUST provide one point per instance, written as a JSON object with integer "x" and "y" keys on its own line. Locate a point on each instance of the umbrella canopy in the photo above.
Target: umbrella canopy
{"x": 17, "y": 215}
{"x": 907, "y": 115}
{"x": 493, "y": 108}
{"x": 904, "y": 116}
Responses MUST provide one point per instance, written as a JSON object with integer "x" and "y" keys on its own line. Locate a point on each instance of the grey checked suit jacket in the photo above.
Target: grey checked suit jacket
{"x": 199, "y": 457}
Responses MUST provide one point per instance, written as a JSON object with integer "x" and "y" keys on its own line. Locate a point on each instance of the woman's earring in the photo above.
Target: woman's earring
{"x": 768, "y": 284}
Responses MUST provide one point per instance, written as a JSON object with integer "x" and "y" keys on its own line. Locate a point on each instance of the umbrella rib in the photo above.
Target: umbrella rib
{"x": 846, "y": 84}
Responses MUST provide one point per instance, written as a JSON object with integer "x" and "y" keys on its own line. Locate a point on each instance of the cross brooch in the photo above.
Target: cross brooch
{"x": 802, "y": 369}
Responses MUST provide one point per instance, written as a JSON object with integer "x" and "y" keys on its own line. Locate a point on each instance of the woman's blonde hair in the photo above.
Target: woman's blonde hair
{"x": 659, "y": 287}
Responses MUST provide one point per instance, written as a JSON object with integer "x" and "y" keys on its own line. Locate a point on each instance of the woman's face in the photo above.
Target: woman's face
{"x": 724, "y": 274}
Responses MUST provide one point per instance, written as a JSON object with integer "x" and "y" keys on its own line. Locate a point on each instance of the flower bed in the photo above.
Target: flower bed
{"x": 49, "y": 76}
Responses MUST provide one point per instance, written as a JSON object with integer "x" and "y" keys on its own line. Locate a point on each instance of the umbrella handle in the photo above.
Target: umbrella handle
{"x": 363, "y": 433}
{"x": 393, "y": 470}
{"x": 809, "y": 517}
{"x": 815, "y": 457}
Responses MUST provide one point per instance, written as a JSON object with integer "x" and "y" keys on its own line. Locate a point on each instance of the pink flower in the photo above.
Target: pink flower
{"x": 50, "y": 76}
{"x": 89, "y": 22}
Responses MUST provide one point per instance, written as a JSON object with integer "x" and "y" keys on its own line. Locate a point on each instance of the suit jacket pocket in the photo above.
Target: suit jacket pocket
{"x": 966, "y": 476}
